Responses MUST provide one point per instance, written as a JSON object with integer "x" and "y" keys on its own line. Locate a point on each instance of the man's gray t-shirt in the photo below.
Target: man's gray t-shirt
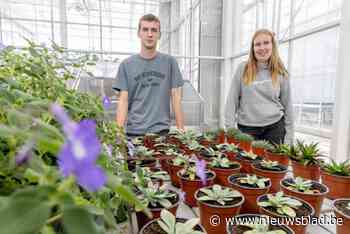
{"x": 149, "y": 83}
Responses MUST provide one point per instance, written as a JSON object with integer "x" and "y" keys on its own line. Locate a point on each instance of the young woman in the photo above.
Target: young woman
{"x": 259, "y": 100}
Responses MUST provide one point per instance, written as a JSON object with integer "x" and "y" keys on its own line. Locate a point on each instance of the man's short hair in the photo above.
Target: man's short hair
{"x": 149, "y": 18}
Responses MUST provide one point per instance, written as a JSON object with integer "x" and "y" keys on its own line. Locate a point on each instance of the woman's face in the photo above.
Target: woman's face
{"x": 262, "y": 47}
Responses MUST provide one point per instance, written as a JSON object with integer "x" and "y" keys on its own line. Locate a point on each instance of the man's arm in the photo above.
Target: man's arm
{"x": 122, "y": 110}
{"x": 176, "y": 96}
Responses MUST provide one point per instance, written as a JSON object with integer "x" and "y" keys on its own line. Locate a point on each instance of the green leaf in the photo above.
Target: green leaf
{"x": 78, "y": 221}
{"x": 288, "y": 211}
{"x": 23, "y": 216}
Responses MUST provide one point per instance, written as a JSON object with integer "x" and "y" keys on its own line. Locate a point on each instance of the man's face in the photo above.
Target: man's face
{"x": 149, "y": 34}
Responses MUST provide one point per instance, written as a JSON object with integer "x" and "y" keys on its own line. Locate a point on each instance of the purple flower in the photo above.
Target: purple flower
{"x": 24, "y": 153}
{"x": 131, "y": 148}
{"x": 200, "y": 170}
{"x": 80, "y": 151}
{"x": 182, "y": 195}
{"x": 106, "y": 102}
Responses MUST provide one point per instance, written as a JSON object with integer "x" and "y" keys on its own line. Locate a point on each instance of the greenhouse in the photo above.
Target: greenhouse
{"x": 174, "y": 117}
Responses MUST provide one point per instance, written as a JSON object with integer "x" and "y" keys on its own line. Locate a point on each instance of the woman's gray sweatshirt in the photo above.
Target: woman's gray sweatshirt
{"x": 260, "y": 103}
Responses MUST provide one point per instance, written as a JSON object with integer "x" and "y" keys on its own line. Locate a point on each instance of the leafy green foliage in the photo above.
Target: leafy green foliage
{"x": 301, "y": 185}
{"x": 154, "y": 195}
{"x": 222, "y": 162}
{"x": 228, "y": 148}
{"x": 259, "y": 226}
{"x": 143, "y": 175}
{"x": 244, "y": 137}
{"x": 334, "y": 168}
{"x": 254, "y": 180}
{"x": 249, "y": 155}
{"x": 219, "y": 194}
{"x": 262, "y": 144}
{"x": 168, "y": 223}
{"x": 283, "y": 205}
{"x": 268, "y": 164}
{"x": 232, "y": 132}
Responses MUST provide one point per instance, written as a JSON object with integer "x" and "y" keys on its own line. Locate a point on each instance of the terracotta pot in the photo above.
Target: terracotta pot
{"x": 345, "y": 227}
{"x": 148, "y": 141}
{"x": 175, "y": 180}
{"x": 339, "y": 186}
{"x": 233, "y": 228}
{"x": 246, "y": 164}
{"x": 162, "y": 159}
{"x": 275, "y": 176}
{"x": 190, "y": 186}
{"x": 231, "y": 140}
{"x": 311, "y": 172}
{"x": 259, "y": 151}
{"x": 245, "y": 145}
{"x": 297, "y": 228}
{"x": 220, "y": 139}
{"x": 250, "y": 194}
{"x": 280, "y": 158}
{"x": 223, "y": 173}
{"x": 230, "y": 155}
{"x": 142, "y": 218}
{"x": 315, "y": 200}
{"x": 151, "y": 227}
{"x": 208, "y": 210}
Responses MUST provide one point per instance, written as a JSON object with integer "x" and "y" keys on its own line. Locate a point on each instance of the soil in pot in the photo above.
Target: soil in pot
{"x": 339, "y": 186}
{"x": 153, "y": 227}
{"x": 315, "y": 199}
{"x": 142, "y": 219}
{"x": 303, "y": 211}
{"x": 240, "y": 229}
{"x": 311, "y": 172}
{"x": 250, "y": 192}
{"x": 341, "y": 211}
{"x": 208, "y": 209}
{"x": 280, "y": 158}
{"x": 222, "y": 174}
{"x": 276, "y": 175}
{"x": 190, "y": 186}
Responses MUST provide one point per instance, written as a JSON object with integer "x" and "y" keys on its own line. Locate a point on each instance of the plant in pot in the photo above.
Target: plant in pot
{"x": 230, "y": 150}
{"x": 220, "y": 136}
{"x": 155, "y": 198}
{"x": 279, "y": 153}
{"x": 143, "y": 175}
{"x": 305, "y": 160}
{"x": 193, "y": 177}
{"x": 141, "y": 156}
{"x": 169, "y": 224}
{"x": 209, "y": 153}
{"x": 213, "y": 200}
{"x": 251, "y": 186}
{"x": 168, "y": 152}
{"x": 336, "y": 176}
{"x": 259, "y": 147}
{"x": 246, "y": 159}
{"x": 223, "y": 168}
{"x": 285, "y": 207}
{"x": 149, "y": 140}
{"x": 341, "y": 208}
{"x": 231, "y": 135}
{"x": 245, "y": 141}
{"x": 270, "y": 169}
{"x": 207, "y": 139}
{"x": 193, "y": 147}
{"x": 175, "y": 165}
{"x": 311, "y": 191}
{"x": 256, "y": 224}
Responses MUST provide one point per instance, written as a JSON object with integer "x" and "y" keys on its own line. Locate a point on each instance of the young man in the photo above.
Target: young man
{"x": 147, "y": 82}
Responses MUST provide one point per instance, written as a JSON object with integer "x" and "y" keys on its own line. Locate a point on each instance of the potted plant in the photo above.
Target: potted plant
{"x": 279, "y": 153}
{"x": 143, "y": 175}
{"x": 280, "y": 206}
{"x": 246, "y": 159}
{"x": 209, "y": 153}
{"x": 223, "y": 168}
{"x": 220, "y": 136}
{"x": 149, "y": 140}
{"x": 230, "y": 150}
{"x": 336, "y": 176}
{"x": 341, "y": 208}
{"x": 305, "y": 160}
{"x": 311, "y": 191}
{"x": 165, "y": 154}
{"x": 155, "y": 198}
{"x": 251, "y": 186}
{"x": 175, "y": 165}
{"x": 213, "y": 200}
{"x": 169, "y": 224}
{"x": 259, "y": 147}
{"x": 141, "y": 156}
{"x": 207, "y": 139}
{"x": 245, "y": 141}
{"x": 256, "y": 224}
{"x": 193, "y": 177}
{"x": 272, "y": 170}
{"x": 231, "y": 135}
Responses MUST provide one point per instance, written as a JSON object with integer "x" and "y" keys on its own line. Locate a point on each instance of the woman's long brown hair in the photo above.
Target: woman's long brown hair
{"x": 275, "y": 64}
